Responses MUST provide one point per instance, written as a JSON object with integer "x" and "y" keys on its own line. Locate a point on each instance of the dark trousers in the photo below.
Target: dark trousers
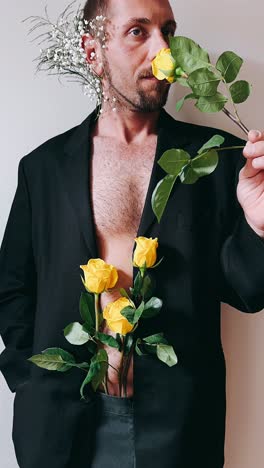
{"x": 114, "y": 433}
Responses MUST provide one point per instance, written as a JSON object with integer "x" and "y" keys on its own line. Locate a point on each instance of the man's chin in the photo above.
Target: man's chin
{"x": 148, "y": 103}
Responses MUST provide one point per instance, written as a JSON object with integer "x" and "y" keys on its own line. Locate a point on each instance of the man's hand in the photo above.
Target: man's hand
{"x": 250, "y": 188}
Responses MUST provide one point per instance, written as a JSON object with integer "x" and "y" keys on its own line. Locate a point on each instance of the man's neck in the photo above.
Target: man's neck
{"x": 126, "y": 126}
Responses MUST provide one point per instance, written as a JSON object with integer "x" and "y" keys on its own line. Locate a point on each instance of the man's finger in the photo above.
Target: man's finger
{"x": 254, "y": 149}
{"x": 255, "y": 135}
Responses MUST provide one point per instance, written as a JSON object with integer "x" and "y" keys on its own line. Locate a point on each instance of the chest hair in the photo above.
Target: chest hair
{"x": 120, "y": 176}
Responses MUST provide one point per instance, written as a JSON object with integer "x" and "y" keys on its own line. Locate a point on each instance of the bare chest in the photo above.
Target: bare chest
{"x": 120, "y": 177}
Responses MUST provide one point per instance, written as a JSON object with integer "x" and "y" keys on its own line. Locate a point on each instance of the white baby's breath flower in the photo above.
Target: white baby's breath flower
{"x": 64, "y": 53}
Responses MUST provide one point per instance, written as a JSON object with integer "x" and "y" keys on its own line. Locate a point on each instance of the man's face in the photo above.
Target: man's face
{"x": 137, "y": 30}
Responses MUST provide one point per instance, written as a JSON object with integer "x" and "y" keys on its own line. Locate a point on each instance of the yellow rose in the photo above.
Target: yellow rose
{"x": 145, "y": 251}
{"x": 115, "y": 320}
{"x": 99, "y": 276}
{"x": 163, "y": 66}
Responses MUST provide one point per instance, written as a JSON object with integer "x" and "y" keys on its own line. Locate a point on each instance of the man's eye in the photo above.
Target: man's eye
{"x": 135, "y": 30}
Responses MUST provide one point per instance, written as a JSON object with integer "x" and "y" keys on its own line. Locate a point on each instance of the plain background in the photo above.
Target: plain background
{"x": 35, "y": 107}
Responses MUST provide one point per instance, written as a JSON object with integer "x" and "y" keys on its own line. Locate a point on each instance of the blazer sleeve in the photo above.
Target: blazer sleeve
{"x": 241, "y": 257}
{"x": 17, "y": 287}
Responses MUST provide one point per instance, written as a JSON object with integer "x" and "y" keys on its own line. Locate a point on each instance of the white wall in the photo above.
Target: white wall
{"x": 36, "y": 107}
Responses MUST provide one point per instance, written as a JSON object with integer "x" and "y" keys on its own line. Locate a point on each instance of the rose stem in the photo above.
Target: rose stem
{"x": 121, "y": 368}
{"x": 239, "y": 123}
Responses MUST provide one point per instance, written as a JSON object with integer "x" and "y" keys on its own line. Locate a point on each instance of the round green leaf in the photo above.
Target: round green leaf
{"x": 240, "y": 91}
{"x": 203, "y": 82}
{"x": 157, "y": 338}
{"x": 166, "y": 354}
{"x": 152, "y": 307}
{"x": 188, "y": 54}
{"x": 229, "y": 65}
{"x": 205, "y": 163}
{"x": 211, "y": 104}
{"x": 173, "y": 160}
{"x": 188, "y": 175}
{"x": 76, "y": 334}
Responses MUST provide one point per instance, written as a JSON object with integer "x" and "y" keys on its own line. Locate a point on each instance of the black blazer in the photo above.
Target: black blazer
{"x": 211, "y": 255}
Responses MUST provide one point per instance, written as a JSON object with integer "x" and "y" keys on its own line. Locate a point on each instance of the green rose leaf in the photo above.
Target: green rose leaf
{"x": 139, "y": 312}
{"x": 97, "y": 370}
{"x": 128, "y": 342}
{"x": 188, "y": 175}
{"x": 86, "y": 307}
{"x": 132, "y": 314}
{"x": 152, "y": 307}
{"x": 211, "y": 104}
{"x": 129, "y": 313}
{"x": 76, "y": 334}
{"x": 240, "y": 91}
{"x": 166, "y": 354}
{"x": 150, "y": 348}
{"x": 188, "y": 54}
{"x": 229, "y": 65}
{"x": 180, "y": 103}
{"x": 83, "y": 365}
{"x": 101, "y": 358}
{"x": 137, "y": 349}
{"x": 53, "y": 359}
{"x": 124, "y": 293}
{"x": 203, "y": 82}
{"x": 182, "y": 81}
{"x": 93, "y": 369}
{"x": 173, "y": 160}
{"x": 137, "y": 284}
{"x": 156, "y": 339}
{"x": 147, "y": 287}
{"x": 215, "y": 141}
{"x": 91, "y": 346}
{"x": 205, "y": 163}
{"x": 161, "y": 195}
{"x": 107, "y": 339}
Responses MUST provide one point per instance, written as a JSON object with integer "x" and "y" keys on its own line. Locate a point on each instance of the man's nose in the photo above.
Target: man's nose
{"x": 158, "y": 42}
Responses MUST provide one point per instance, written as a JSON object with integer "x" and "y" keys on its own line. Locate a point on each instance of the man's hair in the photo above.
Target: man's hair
{"x": 94, "y": 8}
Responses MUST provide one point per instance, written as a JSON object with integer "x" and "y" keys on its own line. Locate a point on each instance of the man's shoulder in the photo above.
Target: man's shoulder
{"x": 49, "y": 149}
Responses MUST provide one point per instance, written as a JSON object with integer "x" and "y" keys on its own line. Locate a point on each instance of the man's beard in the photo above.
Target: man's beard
{"x": 144, "y": 102}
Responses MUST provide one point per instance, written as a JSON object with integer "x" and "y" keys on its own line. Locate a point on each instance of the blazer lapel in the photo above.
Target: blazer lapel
{"x": 75, "y": 171}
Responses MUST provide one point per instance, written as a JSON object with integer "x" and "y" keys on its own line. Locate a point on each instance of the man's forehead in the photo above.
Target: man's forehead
{"x": 123, "y": 11}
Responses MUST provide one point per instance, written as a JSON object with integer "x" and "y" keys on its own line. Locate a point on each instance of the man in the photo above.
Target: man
{"x": 87, "y": 193}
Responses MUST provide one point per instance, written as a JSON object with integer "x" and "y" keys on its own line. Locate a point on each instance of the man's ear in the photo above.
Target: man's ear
{"x": 93, "y": 53}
